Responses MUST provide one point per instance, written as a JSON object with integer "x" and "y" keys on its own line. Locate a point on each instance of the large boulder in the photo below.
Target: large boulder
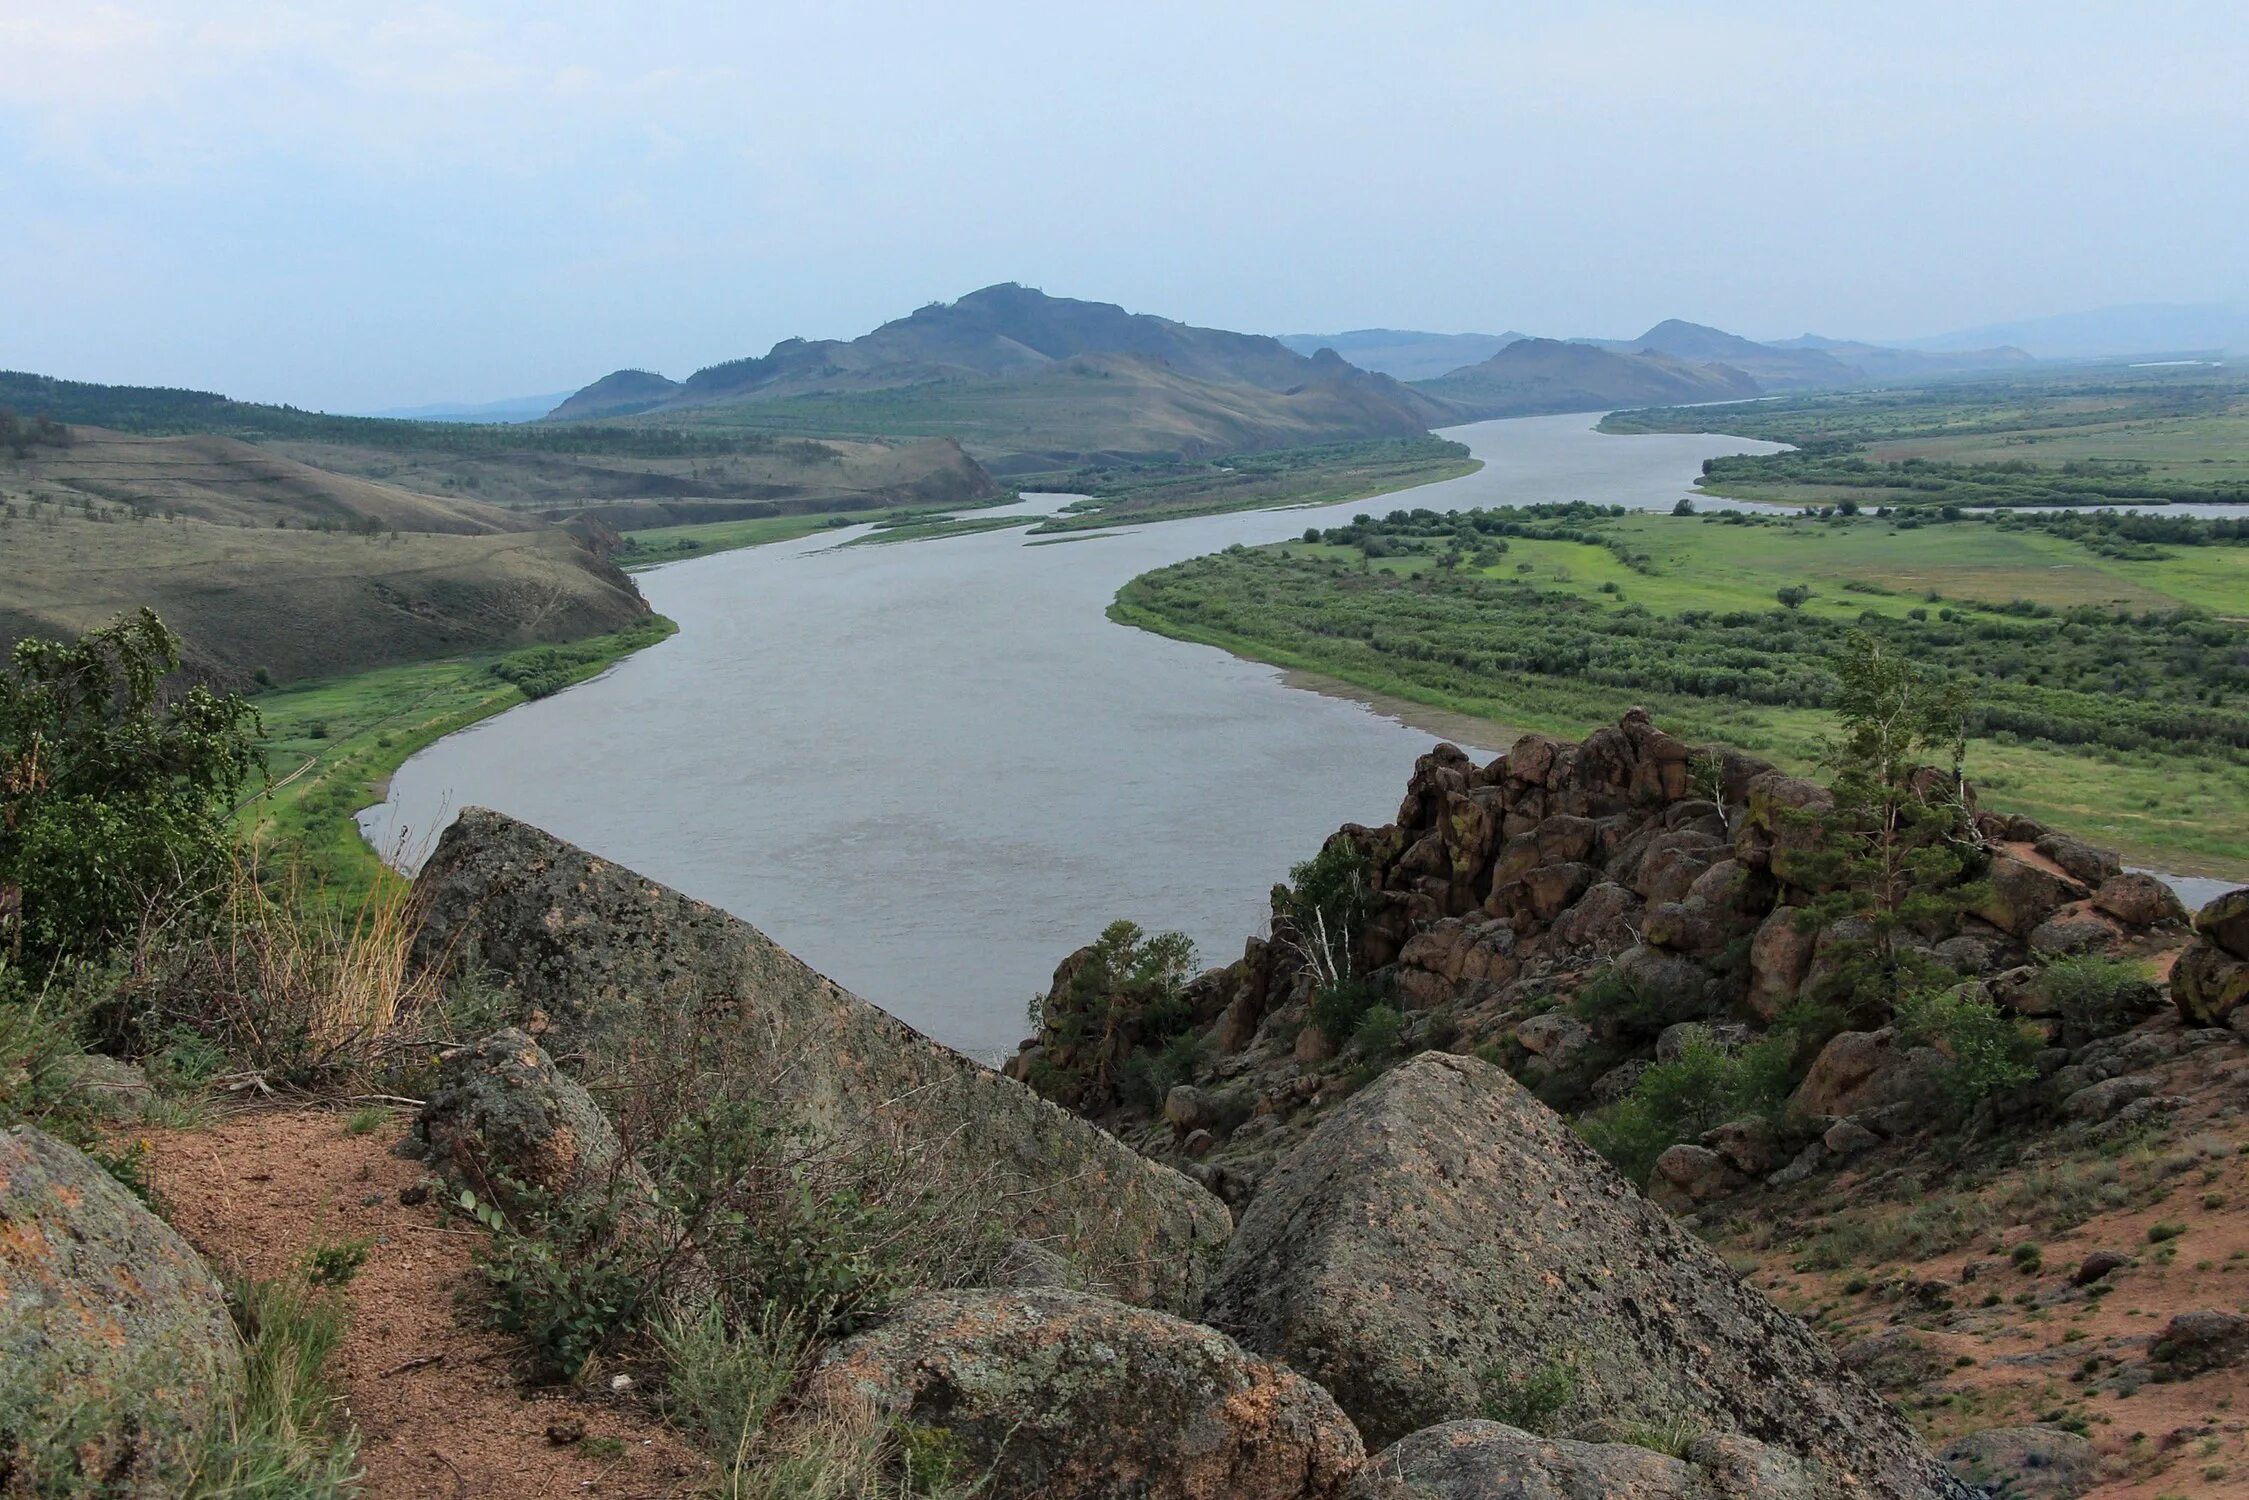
{"x": 2225, "y": 922}
{"x": 623, "y": 970}
{"x": 1443, "y": 1228}
{"x": 116, "y": 1350}
{"x": 1061, "y": 1395}
{"x": 2208, "y": 984}
{"x": 2139, "y": 900}
{"x": 2017, "y": 894}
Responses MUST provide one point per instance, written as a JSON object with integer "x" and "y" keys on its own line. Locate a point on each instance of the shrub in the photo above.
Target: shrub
{"x": 1985, "y": 1049}
{"x": 1381, "y": 1032}
{"x": 2095, "y": 995}
{"x": 1529, "y": 1399}
{"x": 1674, "y": 1101}
{"x": 114, "y": 801}
{"x": 1340, "y": 1009}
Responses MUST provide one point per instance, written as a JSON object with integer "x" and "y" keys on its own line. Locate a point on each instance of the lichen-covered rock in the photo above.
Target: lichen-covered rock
{"x": 2209, "y": 985}
{"x": 2204, "y": 1339}
{"x": 1059, "y": 1395}
{"x": 2139, "y": 900}
{"x": 2025, "y": 1463}
{"x": 115, "y": 1345}
{"x": 1481, "y": 1460}
{"x": 1779, "y": 956}
{"x": 2225, "y": 922}
{"x": 622, "y": 966}
{"x": 2017, "y": 895}
{"x": 1443, "y": 1224}
{"x": 1688, "y": 1175}
{"x": 1851, "y": 1073}
{"x": 501, "y": 1116}
{"x": 2083, "y": 861}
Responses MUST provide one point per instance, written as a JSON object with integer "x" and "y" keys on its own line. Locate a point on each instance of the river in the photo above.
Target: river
{"x": 932, "y": 769}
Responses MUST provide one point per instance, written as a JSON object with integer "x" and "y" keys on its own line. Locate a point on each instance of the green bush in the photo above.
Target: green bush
{"x": 1529, "y": 1399}
{"x": 2096, "y": 996}
{"x": 1675, "y": 1101}
{"x": 114, "y": 799}
{"x": 1340, "y": 1009}
{"x": 1986, "y": 1050}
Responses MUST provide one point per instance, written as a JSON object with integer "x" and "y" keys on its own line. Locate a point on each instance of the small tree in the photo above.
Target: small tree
{"x": 114, "y": 801}
{"x": 1793, "y": 596}
{"x": 1899, "y": 842}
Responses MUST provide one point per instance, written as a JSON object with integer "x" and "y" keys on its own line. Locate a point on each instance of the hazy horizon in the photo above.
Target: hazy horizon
{"x": 371, "y": 207}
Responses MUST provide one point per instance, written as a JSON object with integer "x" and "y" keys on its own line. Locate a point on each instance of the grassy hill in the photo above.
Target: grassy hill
{"x": 1532, "y": 376}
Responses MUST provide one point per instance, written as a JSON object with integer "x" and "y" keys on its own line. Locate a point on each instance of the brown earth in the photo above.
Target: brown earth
{"x": 439, "y": 1413}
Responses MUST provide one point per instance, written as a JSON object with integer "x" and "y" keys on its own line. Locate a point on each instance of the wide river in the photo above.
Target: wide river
{"x": 931, "y": 769}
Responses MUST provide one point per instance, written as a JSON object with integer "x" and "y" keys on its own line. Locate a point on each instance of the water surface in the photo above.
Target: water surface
{"x": 932, "y": 769}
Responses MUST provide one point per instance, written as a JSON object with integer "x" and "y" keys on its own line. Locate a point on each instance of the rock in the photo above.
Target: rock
{"x": 1899, "y": 1360}
{"x": 2025, "y": 1463}
{"x": 1442, "y": 1223}
{"x": 1556, "y": 1036}
{"x": 1669, "y": 986}
{"x": 1688, "y": 1175}
{"x": 1189, "y": 1109}
{"x": 2193, "y": 1342}
{"x": 1848, "y": 1138}
{"x": 2065, "y": 933}
{"x": 2225, "y": 921}
{"x": 501, "y": 1114}
{"x": 1779, "y": 957}
{"x": 2139, "y": 900}
{"x": 114, "y": 1089}
{"x": 1778, "y": 828}
{"x": 1478, "y": 1460}
{"x": 1850, "y": 1074}
{"x": 623, "y": 966}
{"x": 2080, "y": 859}
{"x": 2018, "y": 895}
{"x": 1603, "y": 918}
{"x": 1199, "y": 1143}
{"x": 2209, "y": 985}
{"x": 2100, "y": 1100}
{"x": 1553, "y": 887}
{"x": 1063, "y": 1395}
{"x": 1312, "y": 1046}
{"x": 1751, "y": 1145}
{"x": 2097, "y": 1265}
{"x": 111, "y": 1327}
{"x": 1027, "y": 1263}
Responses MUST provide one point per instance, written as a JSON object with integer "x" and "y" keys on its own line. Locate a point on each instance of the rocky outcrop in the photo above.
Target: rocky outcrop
{"x": 116, "y": 1350}
{"x": 1479, "y": 1460}
{"x": 1443, "y": 1227}
{"x": 1058, "y": 1395}
{"x": 2210, "y": 982}
{"x": 604, "y": 964}
{"x": 2204, "y": 1339}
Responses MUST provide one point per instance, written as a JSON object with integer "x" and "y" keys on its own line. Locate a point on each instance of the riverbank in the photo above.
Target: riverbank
{"x": 1287, "y": 478}
{"x": 331, "y": 746}
{"x": 1723, "y": 629}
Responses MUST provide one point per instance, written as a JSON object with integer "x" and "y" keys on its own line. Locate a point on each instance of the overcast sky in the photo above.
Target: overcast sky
{"x": 355, "y": 205}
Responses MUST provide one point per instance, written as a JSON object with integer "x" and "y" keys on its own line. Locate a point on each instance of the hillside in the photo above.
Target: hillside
{"x": 1028, "y": 382}
{"x": 270, "y": 566}
{"x": 1775, "y": 369}
{"x": 1546, "y": 375}
{"x": 1404, "y": 353}
{"x": 619, "y": 393}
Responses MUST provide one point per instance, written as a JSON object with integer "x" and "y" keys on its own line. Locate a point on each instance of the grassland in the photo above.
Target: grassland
{"x": 2106, "y": 438}
{"x": 1323, "y": 475}
{"x": 330, "y": 746}
{"x": 2110, "y": 699}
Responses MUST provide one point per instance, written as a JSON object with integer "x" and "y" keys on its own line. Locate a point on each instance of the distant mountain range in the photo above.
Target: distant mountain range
{"x": 2143, "y": 328}
{"x": 1403, "y": 353}
{"x": 513, "y": 409}
{"x": 1531, "y": 376}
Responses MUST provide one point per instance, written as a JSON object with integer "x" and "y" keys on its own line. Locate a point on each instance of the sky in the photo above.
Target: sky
{"x": 350, "y": 206}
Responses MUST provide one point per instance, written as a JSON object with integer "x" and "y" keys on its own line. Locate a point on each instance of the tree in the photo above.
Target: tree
{"x": 114, "y": 800}
{"x": 1685, "y": 507}
{"x": 1794, "y": 595}
{"x": 1899, "y": 842}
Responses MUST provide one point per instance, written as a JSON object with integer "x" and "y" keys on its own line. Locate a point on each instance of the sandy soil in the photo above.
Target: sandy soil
{"x": 435, "y": 1401}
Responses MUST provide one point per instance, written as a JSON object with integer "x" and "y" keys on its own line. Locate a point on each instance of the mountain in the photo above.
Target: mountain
{"x": 1405, "y": 353}
{"x": 512, "y": 409}
{"x": 1029, "y": 381}
{"x": 1880, "y": 363}
{"x": 2153, "y": 328}
{"x": 1547, "y": 375}
{"x": 619, "y": 393}
{"x": 1774, "y": 368}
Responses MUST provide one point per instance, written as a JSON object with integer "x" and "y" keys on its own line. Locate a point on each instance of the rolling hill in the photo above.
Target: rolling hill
{"x": 1532, "y": 376}
{"x": 1031, "y": 382}
{"x": 1774, "y": 369}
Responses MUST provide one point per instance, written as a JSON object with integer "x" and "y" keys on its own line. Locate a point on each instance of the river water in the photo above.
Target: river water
{"x": 932, "y": 769}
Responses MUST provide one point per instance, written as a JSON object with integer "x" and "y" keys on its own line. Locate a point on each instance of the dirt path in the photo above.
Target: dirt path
{"x": 439, "y": 1413}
